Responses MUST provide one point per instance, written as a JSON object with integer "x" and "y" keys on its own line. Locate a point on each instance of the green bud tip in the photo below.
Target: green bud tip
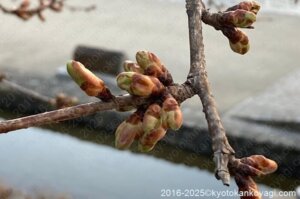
{"x": 72, "y": 69}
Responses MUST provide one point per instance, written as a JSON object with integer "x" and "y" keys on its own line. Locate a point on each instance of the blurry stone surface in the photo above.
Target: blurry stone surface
{"x": 99, "y": 59}
{"x": 278, "y": 104}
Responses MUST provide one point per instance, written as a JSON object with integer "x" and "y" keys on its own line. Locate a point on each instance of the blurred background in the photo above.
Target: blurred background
{"x": 257, "y": 95}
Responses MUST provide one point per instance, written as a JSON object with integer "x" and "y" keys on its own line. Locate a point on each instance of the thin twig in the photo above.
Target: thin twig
{"x": 25, "y": 12}
{"x": 198, "y": 79}
{"x": 61, "y": 100}
{"x": 25, "y": 91}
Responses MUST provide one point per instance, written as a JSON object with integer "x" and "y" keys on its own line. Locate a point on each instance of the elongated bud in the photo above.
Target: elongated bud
{"x": 152, "y": 66}
{"x": 148, "y": 141}
{"x": 152, "y": 118}
{"x": 172, "y": 115}
{"x": 130, "y": 66}
{"x": 252, "y": 6}
{"x": 247, "y": 187}
{"x": 140, "y": 85}
{"x": 261, "y": 163}
{"x": 88, "y": 81}
{"x": 128, "y": 131}
{"x": 238, "y": 40}
{"x": 239, "y": 18}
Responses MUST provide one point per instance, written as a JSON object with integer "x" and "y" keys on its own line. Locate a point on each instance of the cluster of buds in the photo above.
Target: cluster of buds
{"x": 242, "y": 15}
{"x": 253, "y": 166}
{"x": 147, "y": 78}
{"x": 140, "y": 85}
{"x": 149, "y": 125}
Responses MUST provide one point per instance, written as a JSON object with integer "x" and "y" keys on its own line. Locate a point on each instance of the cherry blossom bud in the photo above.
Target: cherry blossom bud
{"x": 128, "y": 130}
{"x": 239, "y": 18}
{"x": 152, "y": 66}
{"x": 88, "y": 81}
{"x": 149, "y": 140}
{"x": 140, "y": 85}
{"x": 124, "y": 80}
{"x": 252, "y": 6}
{"x": 172, "y": 115}
{"x": 261, "y": 163}
{"x": 238, "y": 40}
{"x": 152, "y": 118}
{"x": 130, "y": 66}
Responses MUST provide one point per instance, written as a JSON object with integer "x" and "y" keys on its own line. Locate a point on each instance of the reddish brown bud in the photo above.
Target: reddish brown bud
{"x": 261, "y": 163}
{"x": 140, "y": 85}
{"x": 88, "y": 81}
{"x": 172, "y": 115}
{"x": 130, "y": 66}
{"x": 239, "y": 18}
{"x": 252, "y": 6}
{"x": 149, "y": 140}
{"x": 238, "y": 40}
{"x": 152, "y": 118}
{"x": 128, "y": 131}
{"x": 152, "y": 66}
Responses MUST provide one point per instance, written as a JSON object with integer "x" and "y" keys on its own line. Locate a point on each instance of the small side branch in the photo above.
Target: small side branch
{"x": 60, "y": 101}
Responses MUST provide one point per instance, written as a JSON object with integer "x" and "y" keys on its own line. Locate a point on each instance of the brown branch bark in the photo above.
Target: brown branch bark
{"x": 198, "y": 79}
{"x": 180, "y": 93}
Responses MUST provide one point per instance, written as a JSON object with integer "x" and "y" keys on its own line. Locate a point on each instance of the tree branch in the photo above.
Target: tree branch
{"x": 179, "y": 92}
{"x": 198, "y": 79}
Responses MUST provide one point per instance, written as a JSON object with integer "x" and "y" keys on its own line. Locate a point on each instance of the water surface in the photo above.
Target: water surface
{"x": 41, "y": 159}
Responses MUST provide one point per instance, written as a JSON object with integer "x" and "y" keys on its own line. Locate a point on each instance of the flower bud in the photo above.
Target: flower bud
{"x": 130, "y": 66}
{"x": 88, "y": 81}
{"x": 140, "y": 85}
{"x": 124, "y": 80}
{"x": 152, "y": 66}
{"x": 252, "y": 6}
{"x": 172, "y": 115}
{"x": 152, "y": 118}
{"x": 239, "y": 18}
{"x": 149, "y": 140}
{"x": 128, "y": 130}
{"x": 238, "y": 40}
{"x": 261, "y": 163}
{"x": 255, "y": 7}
